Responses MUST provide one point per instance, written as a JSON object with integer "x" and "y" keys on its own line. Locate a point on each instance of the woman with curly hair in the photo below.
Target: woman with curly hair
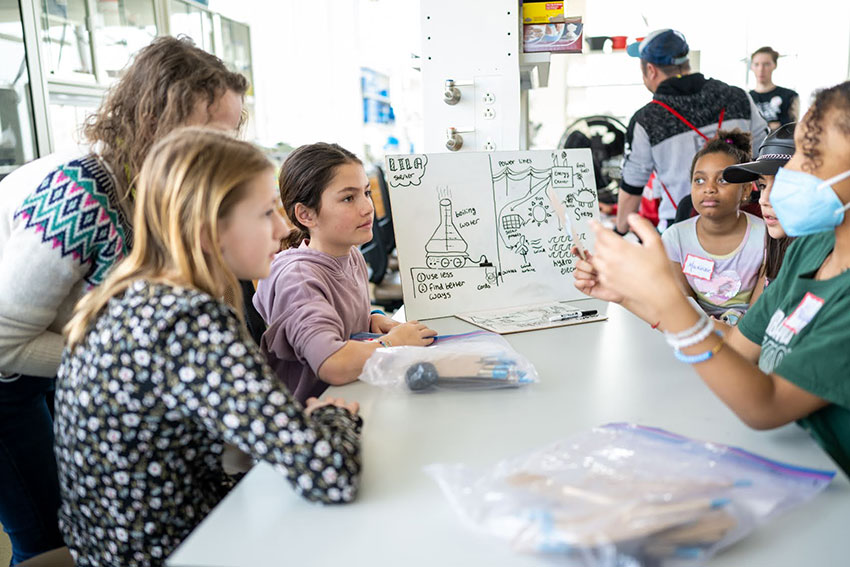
{"x": 63, "y": 224}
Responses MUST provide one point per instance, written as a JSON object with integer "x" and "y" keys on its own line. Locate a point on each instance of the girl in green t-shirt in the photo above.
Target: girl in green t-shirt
{"x": 787, "y": 360}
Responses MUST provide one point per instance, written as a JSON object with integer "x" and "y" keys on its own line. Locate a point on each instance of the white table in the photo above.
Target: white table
{"x": 617, "y": 370}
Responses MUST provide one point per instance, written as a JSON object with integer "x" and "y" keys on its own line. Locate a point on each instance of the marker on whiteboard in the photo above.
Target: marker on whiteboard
{"x": 572, "y": 315}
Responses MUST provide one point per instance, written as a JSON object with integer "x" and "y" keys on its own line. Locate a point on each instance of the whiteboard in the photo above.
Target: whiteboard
{"x": 486, "y": 230}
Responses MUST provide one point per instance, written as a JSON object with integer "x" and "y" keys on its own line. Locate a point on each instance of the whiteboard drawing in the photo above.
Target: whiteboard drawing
{"x": 448, "y": 250}
{"x": 446, "y": 247}
{"x": 484, "y": 230}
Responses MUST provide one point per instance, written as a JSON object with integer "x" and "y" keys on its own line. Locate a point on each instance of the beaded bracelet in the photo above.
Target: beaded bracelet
{"x": 695, "y": 334}
{"x": 702, "y": 357}
{"x": 688, "y": 332}
{"x": 700, "y": 336}
{"x": 385, "y": 343}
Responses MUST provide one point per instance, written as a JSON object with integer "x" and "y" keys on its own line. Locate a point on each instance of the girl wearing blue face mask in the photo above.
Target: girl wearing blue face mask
{"x": 787, "y": 359}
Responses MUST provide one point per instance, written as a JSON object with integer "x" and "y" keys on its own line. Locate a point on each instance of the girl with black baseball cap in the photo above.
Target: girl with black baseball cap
{"x": 775, "y": 151}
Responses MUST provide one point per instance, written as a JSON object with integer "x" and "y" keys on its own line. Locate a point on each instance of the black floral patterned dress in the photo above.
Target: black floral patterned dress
{"x": 144, "y": 406}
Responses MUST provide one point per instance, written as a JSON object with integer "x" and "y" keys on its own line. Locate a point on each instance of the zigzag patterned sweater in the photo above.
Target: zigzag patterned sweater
{"x": 58, "y": 239}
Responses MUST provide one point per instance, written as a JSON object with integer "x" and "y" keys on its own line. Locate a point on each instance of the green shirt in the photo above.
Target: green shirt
{"x": 809, "y": 347}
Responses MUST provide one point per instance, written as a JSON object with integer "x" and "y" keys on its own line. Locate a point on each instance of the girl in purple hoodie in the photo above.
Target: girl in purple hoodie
{"x": 317, "y": 294}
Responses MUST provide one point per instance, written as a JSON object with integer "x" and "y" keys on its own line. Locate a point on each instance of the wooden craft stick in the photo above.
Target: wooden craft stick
{"x": 710, "y": 527}
{"x": 629, "y": 489}
{"x": 618, "y": 529}
{"x": 692, "y": 517}
{"x": 565, "y": 222}
{"x": 643, "y": 511}
{"x": 544, "y": 484}
{"x": 582, "y": 253}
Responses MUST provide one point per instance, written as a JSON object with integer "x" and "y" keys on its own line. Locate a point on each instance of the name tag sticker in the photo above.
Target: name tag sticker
{"x": 804, "y": 313}
{"x": 697, "y": 267}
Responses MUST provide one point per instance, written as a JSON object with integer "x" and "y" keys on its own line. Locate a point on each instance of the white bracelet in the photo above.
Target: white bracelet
{"x": 699, "y": 336}
{"x": 688, "y": 332}
{"x": 675, "y": 338}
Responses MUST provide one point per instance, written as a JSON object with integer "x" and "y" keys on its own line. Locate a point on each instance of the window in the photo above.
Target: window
{"x": 68, "y": 113}
{"x": 192, "y": 21}
{"x": 66, "y": 38}
{"x": 236, "y": 49}
{"x": 122, "y": 28}
{"x": 17, "y": 136}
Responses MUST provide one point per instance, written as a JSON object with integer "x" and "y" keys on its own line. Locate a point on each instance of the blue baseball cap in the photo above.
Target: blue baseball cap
{"x": 661, "y": 47}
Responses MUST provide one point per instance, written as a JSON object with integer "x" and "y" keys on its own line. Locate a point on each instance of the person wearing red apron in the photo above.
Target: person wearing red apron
{"x": 686, "y": 110}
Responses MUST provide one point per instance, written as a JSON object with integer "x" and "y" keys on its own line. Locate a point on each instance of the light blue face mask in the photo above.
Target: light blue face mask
{"x": 805, "y": 204}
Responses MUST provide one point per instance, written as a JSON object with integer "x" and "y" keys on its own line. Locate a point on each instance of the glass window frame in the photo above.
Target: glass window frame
{"x": 250, "y": 56}
{"x": 46, "y": 85}
{"x": 61, "y": 76}
{"x": 213, "y": 19}
{"x": 29, "y": 11}
{"x": 18, "y": 100}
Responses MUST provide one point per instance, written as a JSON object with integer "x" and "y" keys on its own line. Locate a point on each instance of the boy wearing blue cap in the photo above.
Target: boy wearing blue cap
{"x": 685, "y": 112}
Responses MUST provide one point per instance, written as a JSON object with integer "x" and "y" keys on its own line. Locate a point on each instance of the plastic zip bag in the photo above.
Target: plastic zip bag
{"x": 624, "y": 494}
{"x": 470, "y": 361}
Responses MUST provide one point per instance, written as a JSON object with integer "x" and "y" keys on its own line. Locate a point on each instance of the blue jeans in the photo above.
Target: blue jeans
{"x": 29, "y": 486}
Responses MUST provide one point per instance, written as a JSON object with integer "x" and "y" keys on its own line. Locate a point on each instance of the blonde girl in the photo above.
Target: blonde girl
{"x": 65, "y": 220}
{"x": 159, "y": 372}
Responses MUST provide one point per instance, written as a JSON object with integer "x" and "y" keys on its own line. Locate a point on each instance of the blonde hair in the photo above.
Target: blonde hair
{"x": 188, "y": 184}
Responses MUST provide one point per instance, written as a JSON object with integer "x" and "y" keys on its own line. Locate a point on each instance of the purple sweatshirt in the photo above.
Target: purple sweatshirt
{"x": 312, "y": 303}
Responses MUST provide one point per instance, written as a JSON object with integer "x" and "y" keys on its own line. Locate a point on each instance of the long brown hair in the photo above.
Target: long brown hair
{"x": 190, "y": 181}
{"x": 157, "y": 93}
{"x": 304, "y": 176}
{"x": 774, "y": 253}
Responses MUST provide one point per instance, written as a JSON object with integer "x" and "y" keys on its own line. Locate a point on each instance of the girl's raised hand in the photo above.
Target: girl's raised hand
{"x": 637, "y": 272}
{"x": 381, "y": 324}
{"x": 312, "y": 404}
{"x": 412, "y": 333}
